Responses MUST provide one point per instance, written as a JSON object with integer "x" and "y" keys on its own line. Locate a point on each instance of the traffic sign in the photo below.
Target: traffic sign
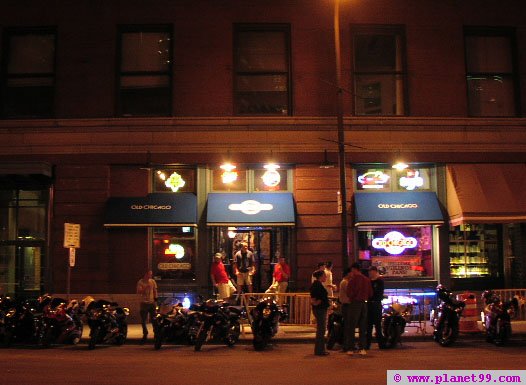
{"x": 71, "y": 235}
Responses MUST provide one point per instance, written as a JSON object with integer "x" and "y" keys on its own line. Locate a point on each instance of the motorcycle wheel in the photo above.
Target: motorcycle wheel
{"x": 201, "y": 338}
{"x": 123, "y": 334}
{"x": 45, "y": 338}
{"x": 446, "y": 333}
{"x": 94, "y": 337}
{"x": 233, "y": 333}
{"x": 333, "y": 337}
{"x": 159, "y": 337}
{"x": 503, "y": 334}
{"x": 260, "y": 342}
{"x": 392, "y": 336}
{"x": 75, "y": 340}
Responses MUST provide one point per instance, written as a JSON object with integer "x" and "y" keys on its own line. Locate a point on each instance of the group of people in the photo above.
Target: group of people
{"x": 361, "y": 300}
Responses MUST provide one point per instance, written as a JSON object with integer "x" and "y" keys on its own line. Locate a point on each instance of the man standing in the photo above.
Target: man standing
{"x": 374, "y": 308}
{"x": 345, "y": 303}
{"x": 281, "y": 276}
{"x": 147, "y": 291}
{"x": 244, "y": 267}
{"x": 219, "y": 276}
{"x": 359, "y": 290}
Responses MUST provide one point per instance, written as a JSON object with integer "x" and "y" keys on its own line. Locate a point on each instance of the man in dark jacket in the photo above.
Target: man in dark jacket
{"x": 374, "y": 308}
{"x": 359, "y": 290}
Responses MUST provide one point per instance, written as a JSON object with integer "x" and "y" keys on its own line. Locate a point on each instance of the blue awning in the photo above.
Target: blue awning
{"x": 158, "y": 209}
{"x": 397, "y": 208}
{"x": 250, "y": 209}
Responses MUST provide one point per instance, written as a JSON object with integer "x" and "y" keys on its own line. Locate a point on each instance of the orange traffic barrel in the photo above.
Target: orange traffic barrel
{"x": 468, "y": 321}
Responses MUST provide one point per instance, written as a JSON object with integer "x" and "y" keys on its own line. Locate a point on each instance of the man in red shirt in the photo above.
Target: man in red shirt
{"x": 281, "y": 276}
{"x": 359, "y": 291}
{"x": 219, "y": 276}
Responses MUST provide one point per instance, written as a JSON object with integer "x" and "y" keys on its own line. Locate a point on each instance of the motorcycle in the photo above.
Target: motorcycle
{"x": 218, "y": 321}
{"x": 174, "y": 323}
{"x": 496, "y": 318}
{"x": 445, "y": 318}
{"x": 22, "y": 321}
{"x": 61, "y": 323}
{"x": 7, "y": 312}
{"x": 394, "y": 320}
{"x": 265, "y": 321}
{"x": 107, "y": 322}
{"x": 335, "y": 325}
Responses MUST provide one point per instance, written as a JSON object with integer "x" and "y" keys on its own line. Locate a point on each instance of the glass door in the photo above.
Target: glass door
{"x": 21, "y": 269}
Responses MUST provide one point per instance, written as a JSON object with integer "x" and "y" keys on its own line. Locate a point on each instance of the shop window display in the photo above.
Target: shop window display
{"x": 174, "y": 253}
{"x": 398, "y": 251}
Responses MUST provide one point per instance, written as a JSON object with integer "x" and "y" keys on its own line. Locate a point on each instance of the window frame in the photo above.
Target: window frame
{"x": 510, "y": 33}
{"x": 261, "y": 27}
{"x": 7, "y": 45}
{"x": 373, "y": 29}
{"x": 120, "y": 74}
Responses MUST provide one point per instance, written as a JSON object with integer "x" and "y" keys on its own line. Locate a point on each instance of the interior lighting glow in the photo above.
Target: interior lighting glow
{"x": 400, "y": 166}
{"x": 271, "y": 177}
{"x": 228, "y": 175}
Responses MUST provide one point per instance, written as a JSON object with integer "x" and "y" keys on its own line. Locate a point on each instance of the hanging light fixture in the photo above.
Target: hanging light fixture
{"x": 326, "y": 163}
{"x": 400, "y": 165}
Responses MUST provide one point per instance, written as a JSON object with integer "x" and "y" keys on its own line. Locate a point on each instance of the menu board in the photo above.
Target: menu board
{"x": 398, "y": 266}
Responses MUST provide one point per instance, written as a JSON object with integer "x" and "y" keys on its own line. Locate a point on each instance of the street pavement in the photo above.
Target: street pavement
{"x": 306, "y": 333}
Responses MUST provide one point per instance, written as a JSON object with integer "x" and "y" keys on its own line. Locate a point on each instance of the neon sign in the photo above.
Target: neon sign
{"x": 175, "y": 182}
{"x": 373, "y": 179}
{"x": 228, "y": 175}
{"x": 394, "y": 243}
{"x": 250, "y": 207}
{"x": 412, "y": 180}
{"x": 176, "y": 250}
{"x": 271, "y": 177}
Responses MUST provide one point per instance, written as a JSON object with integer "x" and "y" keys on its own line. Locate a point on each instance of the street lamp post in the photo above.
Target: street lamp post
{"x": 341, "y": 137}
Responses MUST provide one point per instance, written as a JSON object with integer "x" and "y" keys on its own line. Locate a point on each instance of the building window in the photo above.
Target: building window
{"x": 374, "y": 178}
{"x": 379, "y": 70}
{"x": 398, "y": 251}
{"x": 490, "y": 72}
{"x": 174, "y": 251}
{"x": 174, "y": 180}
{"x": 29, "y": 74}
{"x": 262, "y": 70}
{"x": 145, "y": 72}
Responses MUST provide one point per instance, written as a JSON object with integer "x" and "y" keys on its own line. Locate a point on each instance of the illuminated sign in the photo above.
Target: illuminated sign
{"x": 176, "y": 250}
{"x": 175, "y": 182}
{"x": 412, "y": 180}
{"x": 373, "y": 179}
{"x": 250, "y": 207}
{"x": 394, "y": 243}
{"x": 271, "y": 177}
{"x": 151, "y": 207}
{"x": 397, "y": 205}
{"x": 174, "y": 266}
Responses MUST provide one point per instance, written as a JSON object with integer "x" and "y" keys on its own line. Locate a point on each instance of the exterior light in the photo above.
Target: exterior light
{"x": 399, "y": 165}
{"x": 228, "y": 175}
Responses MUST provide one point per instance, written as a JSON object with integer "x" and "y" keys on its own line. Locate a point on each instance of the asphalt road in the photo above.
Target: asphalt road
{"x": 287, "y": 364}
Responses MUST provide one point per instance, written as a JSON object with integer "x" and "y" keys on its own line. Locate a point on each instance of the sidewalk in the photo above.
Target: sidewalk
{"x": 306, "y": 333}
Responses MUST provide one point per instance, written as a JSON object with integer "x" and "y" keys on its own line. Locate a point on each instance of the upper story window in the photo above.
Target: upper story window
{"x": 145, "y": 71}
{"x": 173, "y": 180}
{"x": 382, "y": 178}
{"x": 262, "y": 70}
{"x": 29, "y": 74}
{"x": 379, "y": 70}
{"x": 490, "y": 72}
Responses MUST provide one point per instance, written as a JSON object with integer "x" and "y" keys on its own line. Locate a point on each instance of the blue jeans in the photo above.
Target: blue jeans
{"x": 321, "y": 327}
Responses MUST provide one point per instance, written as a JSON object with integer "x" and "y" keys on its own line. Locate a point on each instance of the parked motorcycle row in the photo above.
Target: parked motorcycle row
{"x": 49, "y": 320}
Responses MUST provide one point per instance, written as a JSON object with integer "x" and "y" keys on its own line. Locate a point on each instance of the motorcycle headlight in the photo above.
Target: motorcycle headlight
{"x": 266, "y": 313}
{"x": 126, "y": 310}
{"x": 11, "y": 313}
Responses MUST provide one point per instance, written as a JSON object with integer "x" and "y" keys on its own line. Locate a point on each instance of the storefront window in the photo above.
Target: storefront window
{"x": 174, "y": 180}
{"x": 398, "y": 251}
{"x": 385, "y": 179}
{"x": 474, "y": 251}
{"x": 234, "y": 180}
{"x": 174, "y": 253}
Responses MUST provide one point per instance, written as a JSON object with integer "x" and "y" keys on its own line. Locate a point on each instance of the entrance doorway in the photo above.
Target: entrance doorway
{"x": 267, "y": 244}
{"x": 21, "y": 268}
